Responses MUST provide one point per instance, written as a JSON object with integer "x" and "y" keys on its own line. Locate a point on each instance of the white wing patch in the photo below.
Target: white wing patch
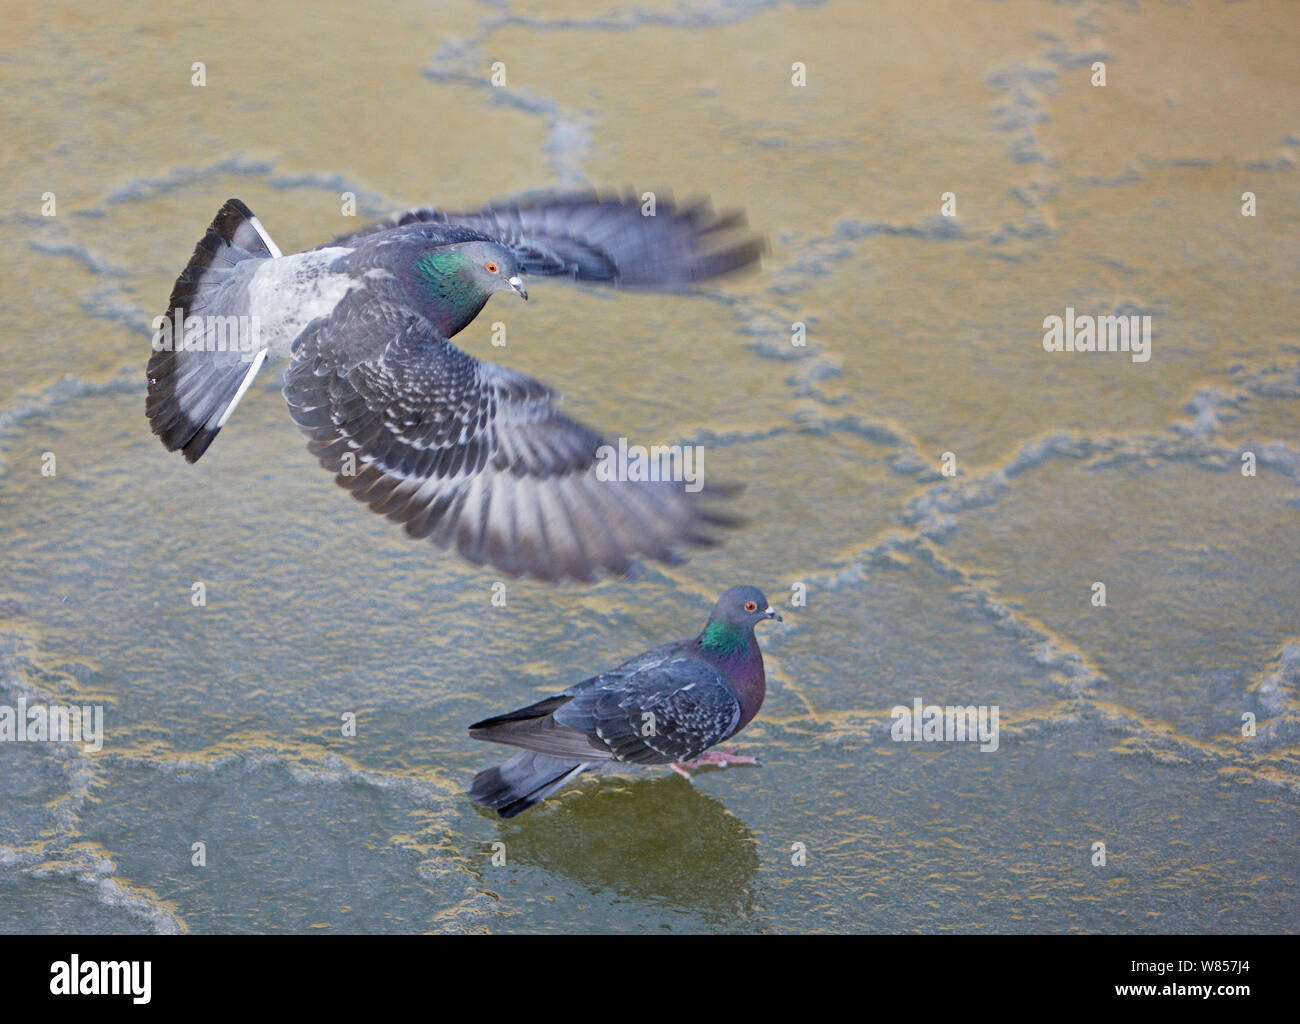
{"x": 288, "y": 293}
{"x": 266, "y": 240}
{"x": 258, "y": 360}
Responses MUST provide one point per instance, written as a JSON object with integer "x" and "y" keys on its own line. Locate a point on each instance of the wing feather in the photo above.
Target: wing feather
{"x": 469, "y": 454}
{"x": 656, "y": 709}
{"x": 589, "y": 236}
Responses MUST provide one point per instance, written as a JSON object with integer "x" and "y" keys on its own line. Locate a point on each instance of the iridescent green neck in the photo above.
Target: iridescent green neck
{"x": 724, "y": 638}
{"x": 443, "y": 270}
{"x": 453, "y": 297}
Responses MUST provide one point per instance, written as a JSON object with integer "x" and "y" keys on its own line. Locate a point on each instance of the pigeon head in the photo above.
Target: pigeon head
{"x": 491, "y": 267}
{"x": 731, "y": 625}
{"x": 743, "y": 606}
{"x": 453, "y": 282}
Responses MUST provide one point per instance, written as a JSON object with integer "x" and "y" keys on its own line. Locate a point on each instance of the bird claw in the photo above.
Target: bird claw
{"x": 722, "y": 758}
{"x": 713, "y": 758}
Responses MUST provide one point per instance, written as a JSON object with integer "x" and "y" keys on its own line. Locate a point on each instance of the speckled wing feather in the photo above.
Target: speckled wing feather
{"x": 672, "y": 710}
{"x": 590, "y": 237}
{"x": 470, "y": 454}
{"x": 662, "y": 707}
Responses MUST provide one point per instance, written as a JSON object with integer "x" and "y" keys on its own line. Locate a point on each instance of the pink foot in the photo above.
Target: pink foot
{"x": 720, "y": 758}
{"x": 682, "y": 771}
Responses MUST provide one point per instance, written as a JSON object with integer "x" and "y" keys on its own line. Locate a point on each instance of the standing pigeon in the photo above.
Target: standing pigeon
{"x": 665, "y": 707}
{"x": 464, "y": 452}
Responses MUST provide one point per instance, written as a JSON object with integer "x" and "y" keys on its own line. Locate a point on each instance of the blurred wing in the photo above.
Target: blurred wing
{"x": 470, "y": 454}
{"x": 608, "y": 239}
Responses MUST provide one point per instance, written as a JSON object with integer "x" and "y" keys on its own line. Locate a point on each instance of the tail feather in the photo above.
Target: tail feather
{"x": 489, "y": 727}
{"x": 193, "y": 390}
{"x": 526, "y": 779}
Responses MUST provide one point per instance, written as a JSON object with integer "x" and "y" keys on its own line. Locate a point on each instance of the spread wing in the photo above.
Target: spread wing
{"x": 609, "y": 239}
{"x": 469, "y": 454}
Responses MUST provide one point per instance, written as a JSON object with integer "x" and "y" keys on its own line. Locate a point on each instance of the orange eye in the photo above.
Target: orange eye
{"x": 492, "y": 268}
{"x": 750, "y": 606}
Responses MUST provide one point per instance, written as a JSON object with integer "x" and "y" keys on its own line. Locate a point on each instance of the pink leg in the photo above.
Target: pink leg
{"x": 682, "y": 771}
{"x": 721, "y": 758}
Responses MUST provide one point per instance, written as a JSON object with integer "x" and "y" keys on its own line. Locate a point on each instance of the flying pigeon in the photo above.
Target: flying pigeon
{"x": 668, "y": 706}
{"x": 466, "y": 453}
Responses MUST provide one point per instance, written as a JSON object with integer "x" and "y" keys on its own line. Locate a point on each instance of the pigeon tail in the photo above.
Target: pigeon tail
{"x": 526, "y": 779}
{"x": 206, "y": 349}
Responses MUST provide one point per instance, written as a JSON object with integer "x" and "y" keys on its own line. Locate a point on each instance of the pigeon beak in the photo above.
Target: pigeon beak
{"x": 772, "y": 613}
{"x": 517, "y": 283}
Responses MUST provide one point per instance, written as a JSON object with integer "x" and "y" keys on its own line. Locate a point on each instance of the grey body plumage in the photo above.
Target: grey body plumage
{"x": 665, "y": 706}
{"x": 469, "y": 454}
